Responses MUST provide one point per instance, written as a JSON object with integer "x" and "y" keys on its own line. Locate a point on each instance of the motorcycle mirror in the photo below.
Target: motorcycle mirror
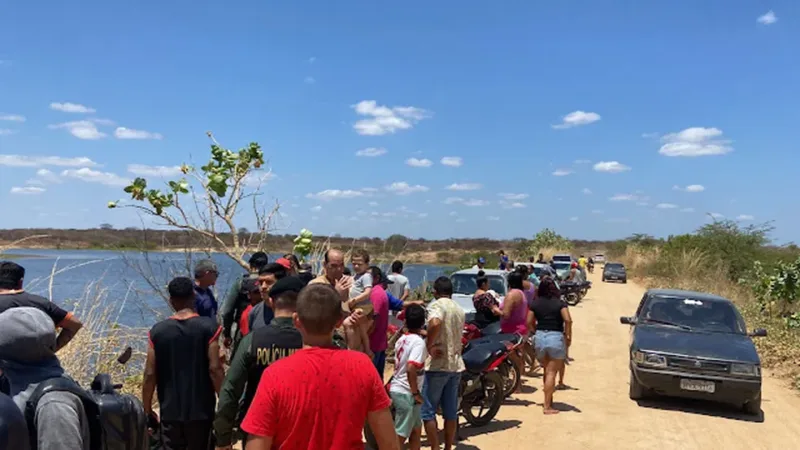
{"x": 125, "y": 356}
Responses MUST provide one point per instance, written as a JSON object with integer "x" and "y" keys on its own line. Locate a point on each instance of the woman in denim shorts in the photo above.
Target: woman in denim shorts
{"x": 552, "y": 324}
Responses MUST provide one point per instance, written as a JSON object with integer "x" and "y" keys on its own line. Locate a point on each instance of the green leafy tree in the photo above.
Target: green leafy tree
{"x": 210, "y": 210}
{"x": 396, "y": 243}
{"x": 547, "y": 238}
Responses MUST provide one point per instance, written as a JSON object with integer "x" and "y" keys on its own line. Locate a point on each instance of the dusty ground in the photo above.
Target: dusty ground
{"x": 597, "y": 413}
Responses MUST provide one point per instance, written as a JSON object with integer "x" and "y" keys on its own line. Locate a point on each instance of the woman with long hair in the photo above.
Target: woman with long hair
{"x": 515, "y": 312}
{"x": 550, "y": 320}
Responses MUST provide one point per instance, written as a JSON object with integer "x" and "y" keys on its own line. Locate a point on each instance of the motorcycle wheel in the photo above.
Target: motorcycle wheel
{"x": 488, "y": 403}
{"x": 572, "y": 299}
{"x": 511, "y": 377}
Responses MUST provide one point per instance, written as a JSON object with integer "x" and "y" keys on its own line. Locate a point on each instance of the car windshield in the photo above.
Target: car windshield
{"x": 562, "y": 258}
{"x": 614, "y": 267}
{"x": 562, "y": 265}
{"x": 464, "y": 283}
{"x": 693, "y": 314}
{"x": 537, "y": 271}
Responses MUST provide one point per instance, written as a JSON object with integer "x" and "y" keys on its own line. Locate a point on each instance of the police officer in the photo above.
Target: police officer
{"x": 260, "y": 348}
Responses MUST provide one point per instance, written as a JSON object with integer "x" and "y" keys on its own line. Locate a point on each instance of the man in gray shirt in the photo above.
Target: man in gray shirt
{"x": 399, "y": 286}
{"x": 27, "y": 358}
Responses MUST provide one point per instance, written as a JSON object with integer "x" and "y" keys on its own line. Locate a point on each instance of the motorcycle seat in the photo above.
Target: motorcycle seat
{"x": 502, "y": 338}
{"x": 479, "y": 357}
{"x": 491, "y": 329}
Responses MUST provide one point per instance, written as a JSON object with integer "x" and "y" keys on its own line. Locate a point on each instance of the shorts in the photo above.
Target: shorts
{"x": 550, "y": 344}
{"x": 407, "y": 414}
{"x": 440, "y": 389}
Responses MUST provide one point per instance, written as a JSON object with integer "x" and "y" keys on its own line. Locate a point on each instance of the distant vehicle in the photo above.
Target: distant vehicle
{"x": 615, "y": 272}
{"x": 562, "y": 268}
{"x": 599, "y": 258}
{"x": 464, "y": 286}
{"x": 696, "y": 345}
{"x": 563, "y": 258}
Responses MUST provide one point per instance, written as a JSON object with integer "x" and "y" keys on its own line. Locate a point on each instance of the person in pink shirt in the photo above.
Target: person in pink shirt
{"x": 515, "y": 314}
{"x": 378, "y": 339}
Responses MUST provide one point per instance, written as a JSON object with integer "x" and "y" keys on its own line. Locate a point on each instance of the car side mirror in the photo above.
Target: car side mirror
{"x": 625, "y": 320}
{"x": 758, "y": 332}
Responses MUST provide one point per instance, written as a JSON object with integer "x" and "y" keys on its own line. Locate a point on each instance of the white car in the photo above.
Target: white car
{"x": 464, "y": 286}
{"x": 599, "y": 258}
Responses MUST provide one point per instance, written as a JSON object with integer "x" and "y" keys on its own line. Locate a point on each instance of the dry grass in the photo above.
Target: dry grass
{"x": 694, "y": 271}
{"x": 101, "y": 340}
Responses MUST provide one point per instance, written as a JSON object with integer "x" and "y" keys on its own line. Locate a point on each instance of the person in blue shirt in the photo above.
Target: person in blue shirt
{"x": 503, "y": 260}
{"x": 205, "y": 276}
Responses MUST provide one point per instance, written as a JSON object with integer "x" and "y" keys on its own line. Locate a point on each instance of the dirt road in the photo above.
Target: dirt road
{"x": 597, "y": 413}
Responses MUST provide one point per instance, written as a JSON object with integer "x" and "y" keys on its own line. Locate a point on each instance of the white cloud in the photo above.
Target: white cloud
{"x": 642, "y": 203}
{"x": 12, "y": 118}
{"x": 695, "y": 141}
{"x": 128, "y": 133}
{"x": 623, "y": 198}
{"x": 690, "y": 188}
{"x": 154, "y": 171}
{"x": 687, "y": 210}
{"x": 403, "y": 188}
{"x": 258, "y": 178}
{"x": 81, "y": 129}
{"x": 103, "y": 122}
{"x": 513, "y": 205}
{"x": 71, "y": 108}
{"x": 38, "y": 161}
{"x": 415, "y": 162}
{"x": 27, "y": 190}
{"x": 767, "y": 19}
{"x": 6, "y": 132}
{"x": 316, "y": 208}
{"x": 464, "y": 187}
{"x": 334, "y": 194}
{"x": 475, "y": 202}
{"x": 587, "y": 191}
{"x": 610, "y": 167}
{"x": 510, "y": 196}
{"x": 371, "y": 152}
{"x": 597, "y": 211}
{"x": 573, "y": 219}
{"x": 618, "y": 220}
{"x": 561, "y": 172}
{"x": 583, "y": 161}
{"x": 452, "y": 161}
{"x": 745, "y": 217}
{"x": 309, "y": 80}
{"x": 384, "y": 120}
{"x": 493, "y": 218}
{"x": 452, "y": 200}
{"x": 47, "y": 176}
{"x": 373, "y": 203}
{"x": 94, "y": 176}
{"x": 577, "y": 118}
{"x": 666, "y": 206}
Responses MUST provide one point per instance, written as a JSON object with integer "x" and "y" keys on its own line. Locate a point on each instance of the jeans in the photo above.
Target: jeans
{"x": 549, "y": 343}
{"x": 379, "y": 361}
{"x": 440, "y": 389}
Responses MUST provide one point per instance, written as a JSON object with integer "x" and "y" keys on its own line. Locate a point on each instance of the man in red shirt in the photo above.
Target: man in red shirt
{"x": 319, "y": 397}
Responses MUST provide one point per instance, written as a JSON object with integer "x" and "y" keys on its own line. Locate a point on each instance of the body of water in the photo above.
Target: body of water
{"x": 130, "y": 279}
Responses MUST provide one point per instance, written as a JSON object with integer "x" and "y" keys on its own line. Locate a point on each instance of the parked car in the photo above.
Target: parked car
{"x": 615, "y": 272}
{"x": 562, "y": 268}
{"x": 599, "y": 258}
{"x": 464, "y": 286}
{"x": 696, "y": 345}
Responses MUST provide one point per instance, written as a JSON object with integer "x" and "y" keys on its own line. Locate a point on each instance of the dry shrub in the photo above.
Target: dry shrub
{"x": 101, "y": 340}
{"x": 548, "y": 253}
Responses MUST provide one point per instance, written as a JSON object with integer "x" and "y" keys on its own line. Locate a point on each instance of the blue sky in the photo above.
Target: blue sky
{"x": 597, "y": 119}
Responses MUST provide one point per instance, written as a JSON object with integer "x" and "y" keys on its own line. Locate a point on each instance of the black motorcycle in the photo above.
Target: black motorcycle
{"x": 481, "y": 391}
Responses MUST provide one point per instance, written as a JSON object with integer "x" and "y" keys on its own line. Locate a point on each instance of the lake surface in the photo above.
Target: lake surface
{"x": 120, "y": 279}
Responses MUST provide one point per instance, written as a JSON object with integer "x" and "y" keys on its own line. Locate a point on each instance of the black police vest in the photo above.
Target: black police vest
{"x": 269, "y": 344}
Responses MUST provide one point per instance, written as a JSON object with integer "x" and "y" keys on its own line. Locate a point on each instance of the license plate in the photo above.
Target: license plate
{"x": 698, "y": 385}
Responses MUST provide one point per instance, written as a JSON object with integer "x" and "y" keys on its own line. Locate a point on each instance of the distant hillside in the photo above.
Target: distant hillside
{"x": 445, "y": 251}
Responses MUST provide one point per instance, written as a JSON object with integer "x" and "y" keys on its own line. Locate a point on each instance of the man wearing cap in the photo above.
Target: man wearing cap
{"x": 253, "y": 292}
{"x": 238, "y": 300}
{"x": 481, "y": 263}
{"x": 205, "y": 276}
{"x": 258, "y": 349}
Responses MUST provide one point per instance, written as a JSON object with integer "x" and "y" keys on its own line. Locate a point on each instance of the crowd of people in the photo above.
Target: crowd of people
{"x": 290, "y": 360}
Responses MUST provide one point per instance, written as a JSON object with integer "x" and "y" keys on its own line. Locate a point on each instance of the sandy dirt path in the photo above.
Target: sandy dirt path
{"x": 597, "y": 413}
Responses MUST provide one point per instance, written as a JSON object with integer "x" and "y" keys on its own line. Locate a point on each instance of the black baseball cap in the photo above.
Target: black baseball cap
{"x": 286, "y": 284}
{"x": 250, "y": 285}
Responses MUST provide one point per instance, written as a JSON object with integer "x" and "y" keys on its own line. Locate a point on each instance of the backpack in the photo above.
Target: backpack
{"x": 116, "y": 421}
